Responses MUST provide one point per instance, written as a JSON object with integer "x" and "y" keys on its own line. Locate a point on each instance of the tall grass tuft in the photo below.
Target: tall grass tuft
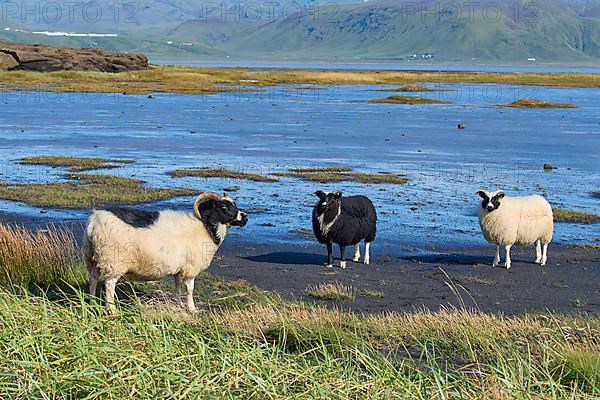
{"x": 38, "y": 258}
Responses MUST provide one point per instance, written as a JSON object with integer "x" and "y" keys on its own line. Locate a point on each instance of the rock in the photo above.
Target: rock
{"x": 48, "y": 58}
{"x": 548, "y": 167}
{"x": 231, "y": 189}
{"x": 461, "y": 126}
{"x": 7, "y": 61}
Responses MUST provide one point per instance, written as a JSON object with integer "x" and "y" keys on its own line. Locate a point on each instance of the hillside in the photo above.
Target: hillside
{"x": 558, "y": 31}
{"x": 443, "y": 31}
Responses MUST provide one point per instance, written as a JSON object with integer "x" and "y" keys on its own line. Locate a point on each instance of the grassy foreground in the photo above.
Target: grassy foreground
{"x": 251, "y": 344}
{"x": 199, "y": 80}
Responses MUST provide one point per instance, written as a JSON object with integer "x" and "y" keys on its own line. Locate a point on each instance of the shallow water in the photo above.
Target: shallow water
{"x": 276, "y": 129}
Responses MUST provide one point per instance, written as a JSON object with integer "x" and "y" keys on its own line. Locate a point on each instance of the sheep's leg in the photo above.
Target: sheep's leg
{"x": 544, "y": 254}
{"x": 94, "y": 273}
{"x": 367, "y": 258}
{"x": 109, "y": 289}
{"x": 507, "y": 248}
{"x": 329, "y": 255}
{"x": 189, "y": 286}
{"x": 538, "y": 252}
{"x": 356, "y": 252}
{"x": 342, "y": 259}
{"x": 178, "y": 280}
{"x": 497, "y": 257}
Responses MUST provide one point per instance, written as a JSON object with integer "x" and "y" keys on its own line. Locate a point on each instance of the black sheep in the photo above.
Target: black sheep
{"x": 344, "y": 221}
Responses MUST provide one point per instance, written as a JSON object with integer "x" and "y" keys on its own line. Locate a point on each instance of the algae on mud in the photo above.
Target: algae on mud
{"x": 410, "y": 100}
{"x": 221, "y": 173}
{"x": 87, "y": 191}
{"x": 532, "y": 103}
{"x": 75, "y": 164}
{"x": 343, "y": 174}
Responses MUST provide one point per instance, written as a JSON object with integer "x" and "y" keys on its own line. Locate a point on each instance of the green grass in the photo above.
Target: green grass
{"x": 75, "y": 164}
{"x": 371, "y": 293}
{"x": 87, "y": 191}
{"x": 71, "y": 349}
{"x": 331, "y": 291}
{"x": 531, "y": 103}
{"x": 343, "y": 174}
{"x": 408, "y": 100}
{"x": 248, "y": 343}
{"x": 221, "y": 173}
{"x": 562, "y": 215}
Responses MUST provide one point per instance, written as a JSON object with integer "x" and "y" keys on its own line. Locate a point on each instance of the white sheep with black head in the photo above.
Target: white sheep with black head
{"x": 145, "y": 245}
{"x": 520, "y": 221}
{"x": 345, "y": 221}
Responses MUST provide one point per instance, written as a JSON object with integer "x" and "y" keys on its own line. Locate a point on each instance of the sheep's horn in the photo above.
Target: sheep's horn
{"x": 203, "y": 197}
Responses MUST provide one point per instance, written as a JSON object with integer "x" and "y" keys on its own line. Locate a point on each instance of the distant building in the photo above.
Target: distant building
{"x": 531, "y": 59}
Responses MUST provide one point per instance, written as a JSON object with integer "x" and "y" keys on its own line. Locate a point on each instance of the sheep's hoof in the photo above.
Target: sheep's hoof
{"x": 356, "y": 259}
{"x": 538, "y": 261}
{"x": 495, "y": 264}
{"x": 366, "y": 261}
{"x": 343, "y": 264}
{"x": 507, "y": 266}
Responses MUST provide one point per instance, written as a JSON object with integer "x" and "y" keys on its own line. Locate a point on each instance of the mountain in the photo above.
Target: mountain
{"x": 555, "y": 31}
{"x": 510, "y": 31}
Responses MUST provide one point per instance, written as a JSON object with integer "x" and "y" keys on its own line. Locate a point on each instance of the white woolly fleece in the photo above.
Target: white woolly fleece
{"x": 519, "y": 220}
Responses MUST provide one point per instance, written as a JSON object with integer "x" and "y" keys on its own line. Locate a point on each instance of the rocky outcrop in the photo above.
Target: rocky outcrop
{"x": 48, "y": 58}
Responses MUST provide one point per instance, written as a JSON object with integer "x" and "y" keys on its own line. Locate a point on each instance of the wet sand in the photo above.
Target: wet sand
{"x": 569, "y": 283}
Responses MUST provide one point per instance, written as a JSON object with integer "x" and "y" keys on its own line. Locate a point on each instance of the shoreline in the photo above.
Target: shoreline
{"x": 203, "y": 80}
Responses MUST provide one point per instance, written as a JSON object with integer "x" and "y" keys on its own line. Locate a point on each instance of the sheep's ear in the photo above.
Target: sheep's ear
{"x": 320, "y": 194}
{"x": 337, "y": 194}
{"x": 481, "y": 194}
{"x": 500, "y": 195}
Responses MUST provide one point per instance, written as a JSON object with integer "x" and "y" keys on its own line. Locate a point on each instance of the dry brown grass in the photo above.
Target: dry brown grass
{"x": 198, "y": 80}
{"x": 39, "y": 257}
{"x": 331, "y": 291}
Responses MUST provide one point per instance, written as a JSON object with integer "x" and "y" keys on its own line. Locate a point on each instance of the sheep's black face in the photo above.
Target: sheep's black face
{"x": 327, "y": 202}
{"x": 228, "y": 213}
{"x": 490, "y": 201}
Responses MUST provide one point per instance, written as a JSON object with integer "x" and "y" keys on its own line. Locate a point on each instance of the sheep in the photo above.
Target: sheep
{"x": 344, "y": 221}
{"x": 146, "y": 245}
{"x": 520, "y": 221}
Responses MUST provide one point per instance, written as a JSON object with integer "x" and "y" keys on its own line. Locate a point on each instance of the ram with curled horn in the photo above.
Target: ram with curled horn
{"x": 150, "y": 245}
